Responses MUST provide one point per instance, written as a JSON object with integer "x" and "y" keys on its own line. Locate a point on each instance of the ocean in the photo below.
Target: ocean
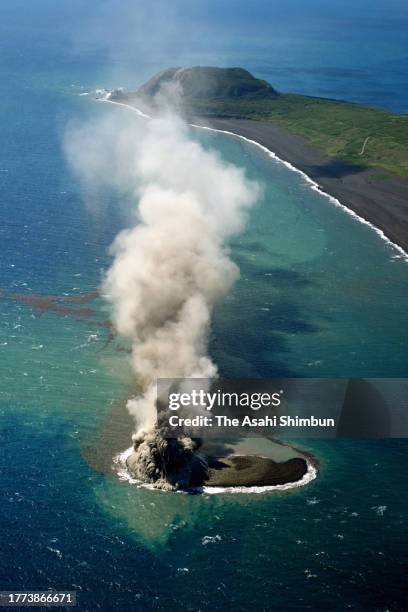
{"x": 320, "y": 294}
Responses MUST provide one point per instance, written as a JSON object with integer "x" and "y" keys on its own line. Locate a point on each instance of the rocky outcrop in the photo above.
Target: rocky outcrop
{"x": 167, "y": 463}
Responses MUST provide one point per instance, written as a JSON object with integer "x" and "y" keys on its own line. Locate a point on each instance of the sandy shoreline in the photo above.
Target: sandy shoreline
{"x": 237, "y": 473}
{"x": 272, "y": 466}
{"x": 253, "y": 470}
{"x": 383, "y": 202}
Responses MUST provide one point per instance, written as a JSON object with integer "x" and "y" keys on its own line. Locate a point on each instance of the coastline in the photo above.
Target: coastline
{"x": 103, "y": 452}
{"x": 359, "y": 191}
{"x": 381, "y": 203}
{"x": 290, "y": 478}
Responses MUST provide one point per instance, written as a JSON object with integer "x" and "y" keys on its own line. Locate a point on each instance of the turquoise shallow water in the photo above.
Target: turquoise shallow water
{"x": 319, "y": 295}
{"x": 304, "y": 305}
{"x": 315, "y": 284}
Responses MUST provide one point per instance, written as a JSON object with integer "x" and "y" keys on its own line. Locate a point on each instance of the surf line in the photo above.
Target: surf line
{"x": 119, "y": 463}
{"x": 120, "y": 459}
{"x": 311, "y": 183}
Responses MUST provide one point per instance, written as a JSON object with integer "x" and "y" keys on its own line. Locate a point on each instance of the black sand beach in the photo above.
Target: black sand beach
{"x": 372, "y": 193}
{"x": 252, "y": 470}
{"x": 227, "y": 466}
{"x": 381, "y": 200}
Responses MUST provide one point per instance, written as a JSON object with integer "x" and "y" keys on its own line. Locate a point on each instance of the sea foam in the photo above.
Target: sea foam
{"x": 119, "y": 462}
{"x": 401, "y": 254}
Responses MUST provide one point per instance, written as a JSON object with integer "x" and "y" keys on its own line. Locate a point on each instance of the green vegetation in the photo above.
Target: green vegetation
{"x": 339, "y": 129}
{"x": 350, "y": 132}
{"x": 214, "y": 83}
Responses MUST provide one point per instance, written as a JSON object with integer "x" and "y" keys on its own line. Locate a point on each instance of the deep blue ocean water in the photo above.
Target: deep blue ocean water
{"x": 304, "y": 305}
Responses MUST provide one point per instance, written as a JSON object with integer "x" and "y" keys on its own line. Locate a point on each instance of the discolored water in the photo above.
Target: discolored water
{"x": 319, "y": 295}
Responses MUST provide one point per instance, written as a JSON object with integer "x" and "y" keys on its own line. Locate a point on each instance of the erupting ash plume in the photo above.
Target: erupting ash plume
{"x": 170, "y": 269}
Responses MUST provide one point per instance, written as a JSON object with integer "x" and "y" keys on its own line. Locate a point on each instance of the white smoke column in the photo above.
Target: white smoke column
{"x": 172, "y": 267}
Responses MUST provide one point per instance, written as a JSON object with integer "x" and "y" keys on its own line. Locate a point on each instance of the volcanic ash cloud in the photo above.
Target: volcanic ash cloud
{"x": 172, "y": 267}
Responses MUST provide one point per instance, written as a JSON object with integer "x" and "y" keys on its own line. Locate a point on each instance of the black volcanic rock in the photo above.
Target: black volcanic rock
{"x": 174, "y": 463}
{"x": 252, "y": 470}
{"x": 167, "y": 463}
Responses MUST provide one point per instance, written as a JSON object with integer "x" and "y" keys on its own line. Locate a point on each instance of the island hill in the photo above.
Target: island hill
{"x": 355, "y": 153}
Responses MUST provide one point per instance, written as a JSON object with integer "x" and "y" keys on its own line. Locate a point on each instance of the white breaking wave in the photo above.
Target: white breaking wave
{"x": 315, "y": 187}
{"x": 121, "y": 470}
{"x": 106, "y": 98}
{"x": 312, "y": 184}
{"x": 310, "y": 475}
